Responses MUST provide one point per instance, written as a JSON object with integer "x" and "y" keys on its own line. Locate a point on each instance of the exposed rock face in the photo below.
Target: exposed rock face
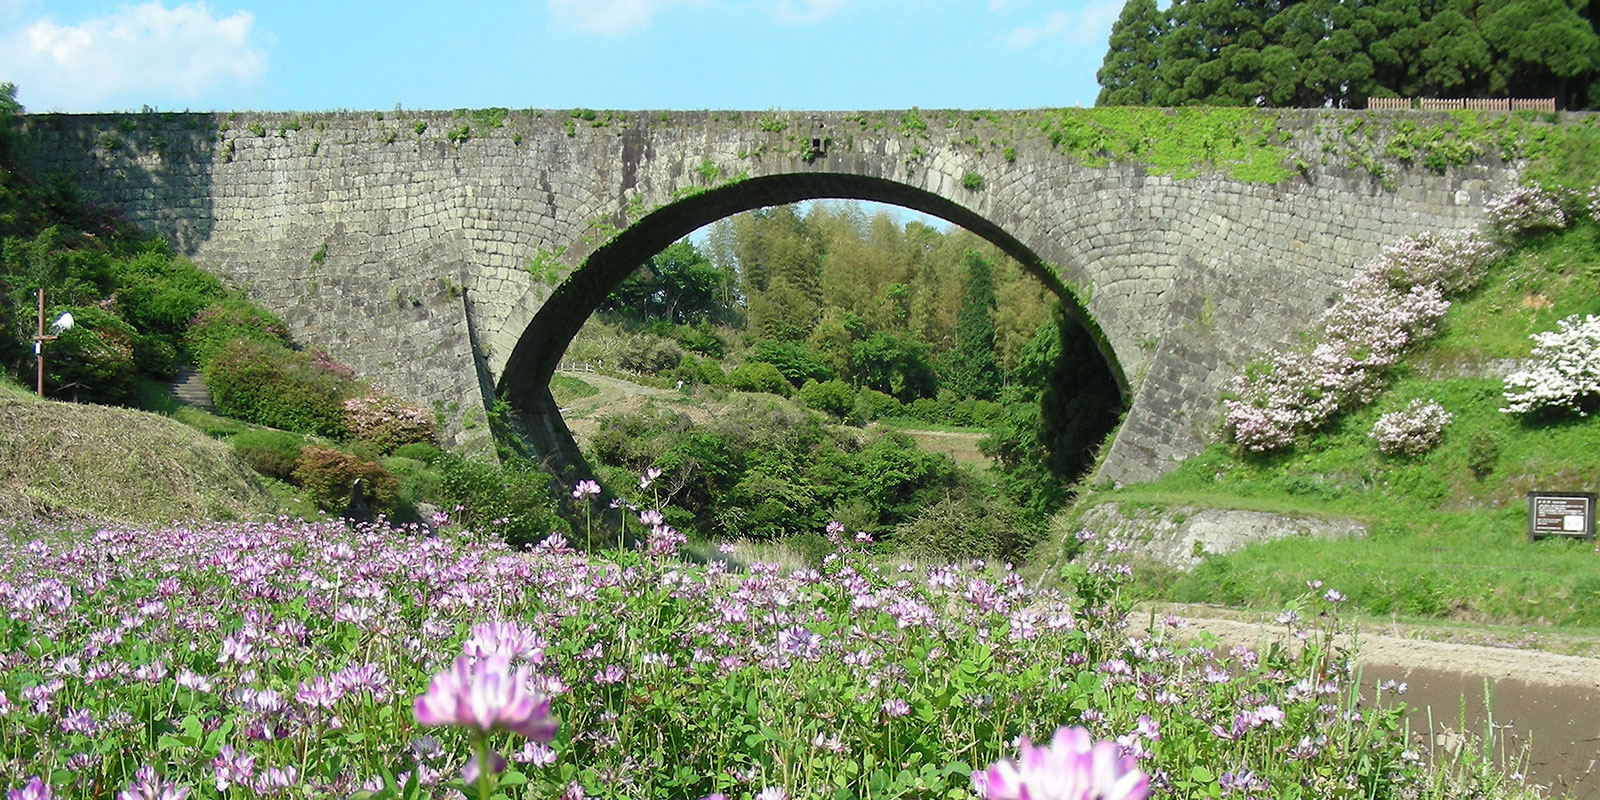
{"x": 1180, "y": 536}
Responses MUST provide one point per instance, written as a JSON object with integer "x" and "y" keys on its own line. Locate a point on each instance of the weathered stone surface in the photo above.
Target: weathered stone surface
{"x": 445, "y": 259}
{"x": 1179, "y": 536}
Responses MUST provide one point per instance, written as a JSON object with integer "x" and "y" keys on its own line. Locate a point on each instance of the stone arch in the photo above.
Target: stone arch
{"x": 525, "y": 376}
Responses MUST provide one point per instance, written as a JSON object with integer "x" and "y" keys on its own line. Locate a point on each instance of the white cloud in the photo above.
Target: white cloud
{"x": 610, "y": 17}
{"x": 805, "y": 12}
{"x": 135, "y": 54}
{"x": 1088, "y": 25}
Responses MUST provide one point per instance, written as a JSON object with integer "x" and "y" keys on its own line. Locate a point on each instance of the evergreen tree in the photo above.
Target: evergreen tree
{"x": 1312, "y": 53}
{"x": 971, "y": 369}
{"x": 1128, "y": 77}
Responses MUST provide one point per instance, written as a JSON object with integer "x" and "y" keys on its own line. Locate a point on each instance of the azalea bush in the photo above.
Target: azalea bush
{"x": 1566, "y": 371}
{"x": 1395, "y": 302}
{"x": 1379, "y": 315}
{"x": 389, "y": 422}
{"x": 291, "y": 659}
{"x": 1413, "y": 431}
{"x": 1526, "y": 208}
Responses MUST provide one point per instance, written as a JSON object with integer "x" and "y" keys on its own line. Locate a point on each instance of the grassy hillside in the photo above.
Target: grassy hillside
{"x": 1447, "y": 528}
{"x": 76, "y": 461}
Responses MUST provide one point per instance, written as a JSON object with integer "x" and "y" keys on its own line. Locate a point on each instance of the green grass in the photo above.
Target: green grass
{"x": 1447, "y": 529}
{"x": 565, "y": 389}
{"x": 915, "y": 424}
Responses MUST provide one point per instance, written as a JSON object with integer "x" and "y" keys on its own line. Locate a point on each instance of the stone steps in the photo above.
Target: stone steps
{"x": 189, "y": 387}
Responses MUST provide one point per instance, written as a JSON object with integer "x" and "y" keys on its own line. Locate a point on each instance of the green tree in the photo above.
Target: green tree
{"x": 894, "y": 364}
{"x": 971, "y": 369}
{"x": 1543, "y": 48}
{"x": 1060, "y": 404}
{"x": 679, "y": 285}
{"x": 1128, "y": 76}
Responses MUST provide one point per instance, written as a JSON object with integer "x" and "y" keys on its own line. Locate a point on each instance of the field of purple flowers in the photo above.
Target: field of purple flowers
{"x": 292, "y": 659}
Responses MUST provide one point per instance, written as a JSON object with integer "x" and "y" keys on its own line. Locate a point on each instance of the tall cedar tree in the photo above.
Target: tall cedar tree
{"x": 971, "y": 370}
{"x": 1338, "y": 53}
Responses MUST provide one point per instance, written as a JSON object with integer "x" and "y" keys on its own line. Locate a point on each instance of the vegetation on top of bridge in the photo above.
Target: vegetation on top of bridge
{"x": 1247, "y": 144}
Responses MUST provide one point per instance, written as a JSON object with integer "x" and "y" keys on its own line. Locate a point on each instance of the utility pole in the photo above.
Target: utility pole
{"x": 38, "y": 344}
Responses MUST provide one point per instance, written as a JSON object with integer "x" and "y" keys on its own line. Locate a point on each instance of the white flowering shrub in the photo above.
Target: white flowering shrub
{"x": 1594, "y": 203}
{"x": 1526, "y": 208}
{"x": 1413, "y": 431}
{"x": 1566, "y": 370}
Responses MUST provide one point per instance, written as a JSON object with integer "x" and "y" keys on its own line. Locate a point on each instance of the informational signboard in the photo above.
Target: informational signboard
{"x": 1568, "y": 514}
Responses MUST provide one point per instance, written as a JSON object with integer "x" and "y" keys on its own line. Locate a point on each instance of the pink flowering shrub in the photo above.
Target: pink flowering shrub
{"x": 389, "y": 422}
{"x": 1362, "y": 336}
{"x": 1392, "y": 304}
{"x": 1413, "y": 431}
{"x": 1455, "y": 262}
{"x": 1526, "y": 208}
{"x": 1566, "y": 372}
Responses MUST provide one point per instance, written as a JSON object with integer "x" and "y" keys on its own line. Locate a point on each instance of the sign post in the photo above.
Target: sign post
{"x": 38, "y": 345}
{"x": 1566, "y": 514}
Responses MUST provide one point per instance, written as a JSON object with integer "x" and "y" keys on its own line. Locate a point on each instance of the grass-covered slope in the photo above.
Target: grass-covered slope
{"x": 1447, "y": 528}
{"x": 88, "y": 461}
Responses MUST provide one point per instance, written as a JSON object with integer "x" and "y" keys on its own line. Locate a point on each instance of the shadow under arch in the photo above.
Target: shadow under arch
{"x": 524, "y": 382}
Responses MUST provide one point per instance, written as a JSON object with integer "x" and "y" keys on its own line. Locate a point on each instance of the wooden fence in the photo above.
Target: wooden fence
{"x": 1458, "y": 103}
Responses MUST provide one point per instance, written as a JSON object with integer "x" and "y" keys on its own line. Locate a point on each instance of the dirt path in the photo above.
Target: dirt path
{"x": 1406, "y": 646}
{"x": 1543, "y": 707}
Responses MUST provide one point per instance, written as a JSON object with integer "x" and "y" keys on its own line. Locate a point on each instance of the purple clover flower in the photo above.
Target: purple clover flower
{"x": 35, "y": 789}
{"x": 484, "y": 694}
{"x": 147, "y": 785}
{"x": 1072, "y": 767}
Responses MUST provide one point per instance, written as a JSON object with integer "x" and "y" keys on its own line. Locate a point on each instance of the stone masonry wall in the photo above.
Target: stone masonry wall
{"x": 422, "y": 248}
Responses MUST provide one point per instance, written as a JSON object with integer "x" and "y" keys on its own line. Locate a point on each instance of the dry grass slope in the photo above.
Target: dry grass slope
{"x": 69, "y": 461}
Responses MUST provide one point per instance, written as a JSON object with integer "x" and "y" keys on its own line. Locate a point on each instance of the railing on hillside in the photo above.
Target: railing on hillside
{"x": 596, "y": 369}
{"x": 1460, "y": 103}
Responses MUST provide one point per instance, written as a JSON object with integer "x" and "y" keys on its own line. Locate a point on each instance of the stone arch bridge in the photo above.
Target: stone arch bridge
{"x": 448, "y": 256}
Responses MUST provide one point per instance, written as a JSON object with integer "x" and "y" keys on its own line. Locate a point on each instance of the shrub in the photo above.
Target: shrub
{"x": 269, "y": 384}
{"x": 95, "y": 360}
{"x": 220, "y": 324}
{"x": 1413, "y": 431}
{"x": 1360, "y": 338}
{"x": 872, "y": 404}
{"x": 388, "y": 422}
{"x": 649, "y": 355}
{"x": 155, "y": 355}
{"x": 271, "y": 453}
{"x": 758, "y": 376}
{"x": 1526, "y": 208}
{"x": 421, "y": 451}
{"x": 327, "y": 475}
{"x": 797, "y": 364}
{"x": 694, "y": 370}
{"x": 953, "y": 530}
{"x": 161, "y": 294}
{"x": 512, "y": 499}
{"x": 1566, "y": 370}
{"x": 1456, "y": 262}
{"x": 833, "y": 397}
{"x": 1483, "y": 452}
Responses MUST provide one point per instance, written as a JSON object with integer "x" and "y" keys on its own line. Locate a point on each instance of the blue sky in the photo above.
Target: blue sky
{"x": 287, "y": 55}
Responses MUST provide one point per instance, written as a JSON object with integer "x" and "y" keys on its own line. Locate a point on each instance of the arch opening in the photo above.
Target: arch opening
{"x": 524, "y": 383}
